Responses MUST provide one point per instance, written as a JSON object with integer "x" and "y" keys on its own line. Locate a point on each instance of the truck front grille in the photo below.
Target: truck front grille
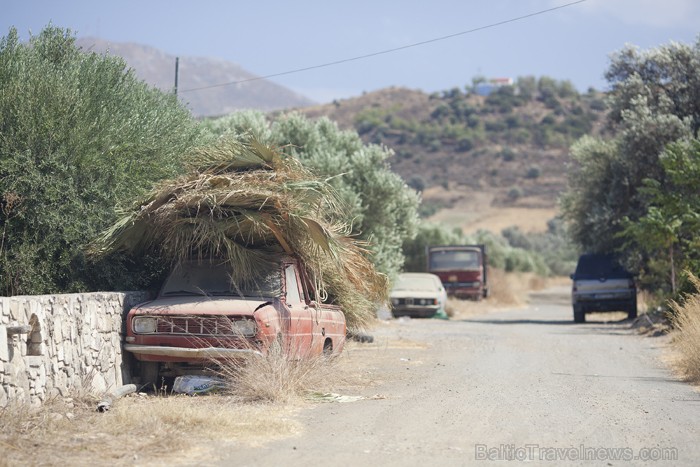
{"x": 196, "y": 325}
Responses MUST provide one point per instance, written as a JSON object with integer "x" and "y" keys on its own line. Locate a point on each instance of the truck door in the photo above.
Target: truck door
{"x": 300, "y": 323}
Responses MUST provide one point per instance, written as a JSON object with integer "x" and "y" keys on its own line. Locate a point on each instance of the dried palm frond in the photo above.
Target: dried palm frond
{"x": 245, "y": 203}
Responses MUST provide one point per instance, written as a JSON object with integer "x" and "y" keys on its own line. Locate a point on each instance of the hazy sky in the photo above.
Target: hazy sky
{"x": 267, "y": 37}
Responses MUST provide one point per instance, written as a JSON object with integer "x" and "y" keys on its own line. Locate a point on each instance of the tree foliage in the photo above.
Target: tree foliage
{"x": 79, "y": 134}
{"x": 624, "y": 194}
{"x": 382, "y": 209}
{"x": 501, "y": 254}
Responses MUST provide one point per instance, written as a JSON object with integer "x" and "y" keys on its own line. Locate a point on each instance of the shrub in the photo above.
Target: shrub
{"x": 515, "y": 193}
{"x": 533, "y": 172}
{"x": 80, "y": 134}
{"x": 464, "y": 144}
{"x": 507, "y": 154}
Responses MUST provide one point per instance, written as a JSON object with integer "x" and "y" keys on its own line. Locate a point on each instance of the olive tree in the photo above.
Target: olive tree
{"x": 654, "y": 102}
{"x": 382, "y": 209}
{"x": 79, "y": 135}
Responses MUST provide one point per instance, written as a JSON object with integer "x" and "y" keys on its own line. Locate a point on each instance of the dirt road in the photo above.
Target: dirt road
{"x": 524, "y": 384}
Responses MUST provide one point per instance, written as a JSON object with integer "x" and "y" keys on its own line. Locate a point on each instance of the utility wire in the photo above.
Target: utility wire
{"x": 388, "y": 51}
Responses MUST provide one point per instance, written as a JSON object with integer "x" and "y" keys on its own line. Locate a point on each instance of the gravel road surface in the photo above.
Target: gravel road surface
{"x": 523, "y": 385}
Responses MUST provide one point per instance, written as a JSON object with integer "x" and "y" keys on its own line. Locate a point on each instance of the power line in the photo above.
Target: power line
{"x": 388, "y": 51}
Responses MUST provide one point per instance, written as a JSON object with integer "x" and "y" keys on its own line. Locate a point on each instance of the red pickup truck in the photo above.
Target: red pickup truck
{"x": 200, "y": 317}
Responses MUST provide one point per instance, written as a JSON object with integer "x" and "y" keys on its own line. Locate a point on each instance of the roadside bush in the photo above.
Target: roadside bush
{"x": 80, "y": 134}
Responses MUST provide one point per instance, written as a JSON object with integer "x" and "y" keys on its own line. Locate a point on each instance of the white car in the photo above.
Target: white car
{"x": 418, "y": 295}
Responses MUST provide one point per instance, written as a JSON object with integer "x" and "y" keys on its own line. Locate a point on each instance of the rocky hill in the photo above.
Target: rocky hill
{"x": 508, "y": 149}
{"x": 158, "y": 69}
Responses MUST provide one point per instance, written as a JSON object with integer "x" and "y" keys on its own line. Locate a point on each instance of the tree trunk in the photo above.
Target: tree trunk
{"x": 673, "y": 271}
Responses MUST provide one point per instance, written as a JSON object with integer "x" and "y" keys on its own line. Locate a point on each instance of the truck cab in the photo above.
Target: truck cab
{"x": 202, "y": 317}
{"x": 461, "y": 268}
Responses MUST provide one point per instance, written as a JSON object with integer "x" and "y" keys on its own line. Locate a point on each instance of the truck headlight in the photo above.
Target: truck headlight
{"x": 144, "y": 324}
{"x": 244, "y": 327}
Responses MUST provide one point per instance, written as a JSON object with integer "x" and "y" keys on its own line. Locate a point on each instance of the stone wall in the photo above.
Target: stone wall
{"x": 55, "y": 345}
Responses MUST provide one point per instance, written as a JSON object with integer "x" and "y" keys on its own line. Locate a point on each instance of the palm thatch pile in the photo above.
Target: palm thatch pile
{"x": 245, "y": 203}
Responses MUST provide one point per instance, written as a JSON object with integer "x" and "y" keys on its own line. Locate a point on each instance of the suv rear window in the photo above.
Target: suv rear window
{"x": 597, "y": 266}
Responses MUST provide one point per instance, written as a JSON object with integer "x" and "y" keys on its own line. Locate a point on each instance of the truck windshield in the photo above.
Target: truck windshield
{"x": 451, "y": 260}
{"x": 207, "y": 278}
{"x": 597, "y": 266}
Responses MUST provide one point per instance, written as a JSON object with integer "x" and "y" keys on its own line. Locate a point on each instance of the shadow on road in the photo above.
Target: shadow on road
{"x": 567, "y": 322}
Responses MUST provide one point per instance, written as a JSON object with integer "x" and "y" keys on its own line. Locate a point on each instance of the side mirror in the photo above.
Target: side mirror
{"x": 571, "y": 276}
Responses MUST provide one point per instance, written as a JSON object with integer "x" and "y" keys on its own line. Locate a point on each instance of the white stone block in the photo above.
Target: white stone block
{"x": 4, "y": 350}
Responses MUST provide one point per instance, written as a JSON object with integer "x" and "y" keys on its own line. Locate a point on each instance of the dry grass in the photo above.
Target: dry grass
{"x": 263, "y": 393}
{"x": 277, "y": 377}
{"x": 138, "y": 429}
{"x": 507, "y": 290}
{"x": 686, "y": 337}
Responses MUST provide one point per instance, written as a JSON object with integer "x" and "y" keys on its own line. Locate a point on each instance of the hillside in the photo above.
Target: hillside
{"x": 473, "y": 155}
{"x": 158, "y": 69}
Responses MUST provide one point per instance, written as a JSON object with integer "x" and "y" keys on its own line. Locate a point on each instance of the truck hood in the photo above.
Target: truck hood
{"x": 200, "y": 305}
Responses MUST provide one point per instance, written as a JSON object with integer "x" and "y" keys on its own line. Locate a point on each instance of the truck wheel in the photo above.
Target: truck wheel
{"x": 149, "y": 375}
{"x": 579, "y": 314}
{"x": 632, "y": 310}
{"x": 328, "y": 348}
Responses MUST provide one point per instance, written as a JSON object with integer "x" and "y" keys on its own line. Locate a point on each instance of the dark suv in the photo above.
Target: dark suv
{"x": 602, "y": 284}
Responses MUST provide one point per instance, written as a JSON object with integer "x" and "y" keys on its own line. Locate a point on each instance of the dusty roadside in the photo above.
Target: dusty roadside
{"x": 424, "y": 392}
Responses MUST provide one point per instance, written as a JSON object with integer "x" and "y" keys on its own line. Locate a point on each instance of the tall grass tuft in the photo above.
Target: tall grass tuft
{"x": 686, "y": 321}
{"x": 276, "y": 376}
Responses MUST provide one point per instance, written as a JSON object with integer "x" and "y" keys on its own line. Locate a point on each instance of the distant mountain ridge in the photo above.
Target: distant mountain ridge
{"x": 158, "y": 69}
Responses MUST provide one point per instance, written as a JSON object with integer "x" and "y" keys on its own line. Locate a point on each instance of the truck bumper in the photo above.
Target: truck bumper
{"x": 464, "y": 292}
{"x": 189, "y": 353}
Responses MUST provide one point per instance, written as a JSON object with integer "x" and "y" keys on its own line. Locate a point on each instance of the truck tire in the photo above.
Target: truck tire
{"x": 149, "y": 373}
{"x": 328, "y": 348}
{"x": 579, "y": 314}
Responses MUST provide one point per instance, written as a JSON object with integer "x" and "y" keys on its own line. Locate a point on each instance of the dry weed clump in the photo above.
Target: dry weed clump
{"x": 686, "y": 338}
{"x": 277, "y": 376}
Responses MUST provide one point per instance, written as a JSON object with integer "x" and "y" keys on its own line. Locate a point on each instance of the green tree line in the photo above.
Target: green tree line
{"x": 636, "y": 192}
{"x": 81, "y": 138}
